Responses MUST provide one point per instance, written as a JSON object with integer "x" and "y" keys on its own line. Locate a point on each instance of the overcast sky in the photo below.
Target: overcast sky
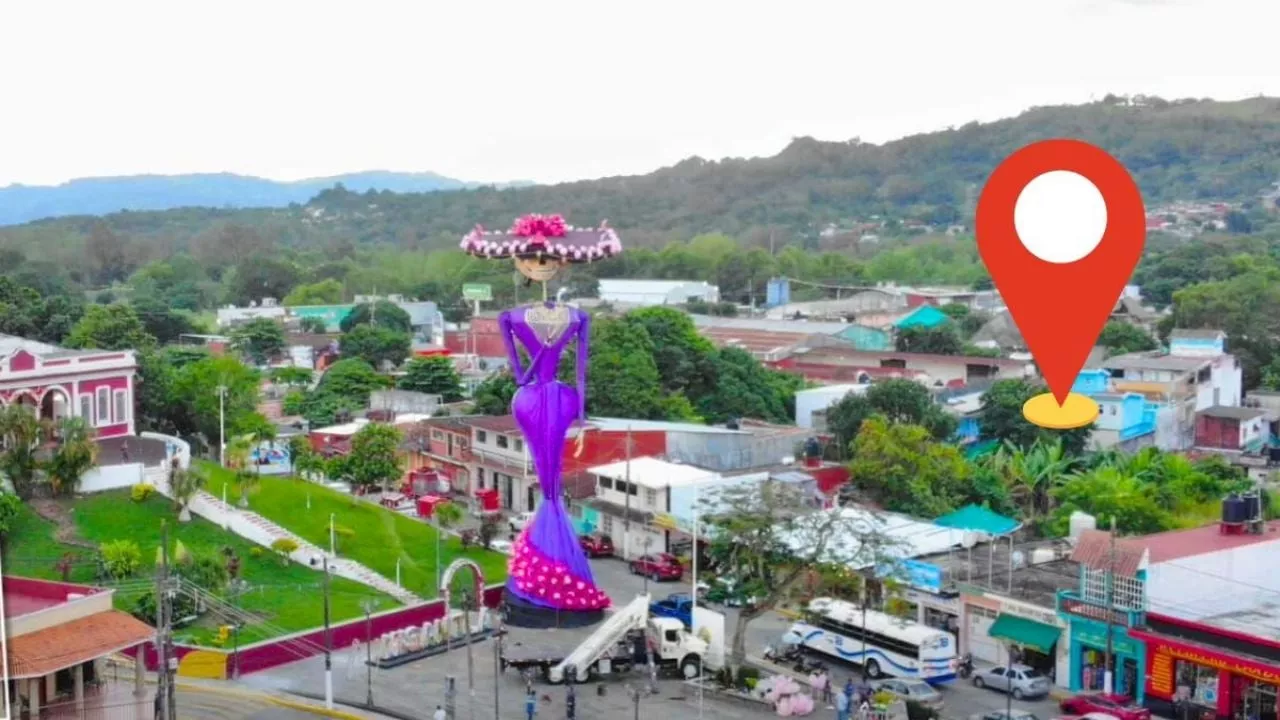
{"x": 553, "y": 90}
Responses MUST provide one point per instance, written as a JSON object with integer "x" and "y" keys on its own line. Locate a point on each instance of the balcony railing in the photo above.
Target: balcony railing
{"x": 1145, "y": 427}
{"x": 1070, "y": 602}
{"x": 500, "y": 461}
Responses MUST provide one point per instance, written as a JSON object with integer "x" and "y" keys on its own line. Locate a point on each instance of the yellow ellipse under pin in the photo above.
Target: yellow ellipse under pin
{"x": 1044, "y": 410}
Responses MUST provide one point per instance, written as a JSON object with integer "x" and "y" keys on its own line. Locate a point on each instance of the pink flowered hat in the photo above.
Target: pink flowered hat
{"x": 544, "y": 235}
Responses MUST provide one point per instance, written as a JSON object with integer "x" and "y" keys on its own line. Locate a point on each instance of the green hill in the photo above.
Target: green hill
{"x": 1183, "y": 150}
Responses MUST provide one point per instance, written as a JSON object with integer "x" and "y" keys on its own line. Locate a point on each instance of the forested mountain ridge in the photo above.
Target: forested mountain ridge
{"x": 1182, "y": 150}
{"x": 103, "y": 195}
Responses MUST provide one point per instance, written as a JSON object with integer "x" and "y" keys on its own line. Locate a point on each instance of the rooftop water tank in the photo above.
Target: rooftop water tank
{"x": 1078, "y": 523}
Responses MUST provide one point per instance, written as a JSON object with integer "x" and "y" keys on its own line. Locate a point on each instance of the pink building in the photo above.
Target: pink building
{"x": 96, "y": 385}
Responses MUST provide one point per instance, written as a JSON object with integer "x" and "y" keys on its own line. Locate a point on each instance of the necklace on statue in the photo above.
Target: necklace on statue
{"x": 548, "y": 323}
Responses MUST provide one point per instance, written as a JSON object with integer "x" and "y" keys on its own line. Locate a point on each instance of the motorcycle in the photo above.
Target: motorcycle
{"x": 785, "y": 655}
{"x": 965, "y": 669}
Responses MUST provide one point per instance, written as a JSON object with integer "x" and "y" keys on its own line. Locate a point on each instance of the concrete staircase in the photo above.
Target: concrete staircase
{"x": 260, "y": 530}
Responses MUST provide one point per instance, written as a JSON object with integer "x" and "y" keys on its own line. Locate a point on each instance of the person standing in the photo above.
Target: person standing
{"x": 842, "y": 706}
{"x": 124, "y": 450}
{"x": 530, "y": 702}
{"x": 570, "y": 705}
{"x": 439, "y": 714}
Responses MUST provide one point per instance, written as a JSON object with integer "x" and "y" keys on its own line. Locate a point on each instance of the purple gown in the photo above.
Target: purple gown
{"x": 548, "y": 566}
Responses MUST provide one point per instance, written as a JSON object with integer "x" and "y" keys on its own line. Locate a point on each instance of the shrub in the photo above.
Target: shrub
{"x": 284, "y": 546}
{"x": 121, "y": 558}
{"x": 748, "y": 677}
{"x": 255, "y": 552}
{"x": 343, "y": 534}
{"x": 142, "y": 491}
{"x": 916, "y": 711}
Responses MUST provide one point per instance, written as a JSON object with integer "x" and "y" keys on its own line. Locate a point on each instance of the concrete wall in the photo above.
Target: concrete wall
{"x": 182, "y": 447}
{"x": 111, "y": 477}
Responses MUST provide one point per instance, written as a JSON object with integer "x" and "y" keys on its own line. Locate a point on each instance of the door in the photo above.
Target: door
{"x": 978, "y": 636}
{"x": 531, "y": 498}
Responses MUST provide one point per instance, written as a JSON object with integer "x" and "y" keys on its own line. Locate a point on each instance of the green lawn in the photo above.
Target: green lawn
{"x": 287, "y": 597}
{"x": 381, "y": 536}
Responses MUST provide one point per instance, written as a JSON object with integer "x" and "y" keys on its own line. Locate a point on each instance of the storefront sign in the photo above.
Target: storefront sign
{"x": 1119, "y": 643}
{"x": 922, "y": 575}
{"x": 1162, "y": 675}
{"x": 665, "y": 522}
{"x": 1031, "y": 612}
{"x": 1214, "y": 660}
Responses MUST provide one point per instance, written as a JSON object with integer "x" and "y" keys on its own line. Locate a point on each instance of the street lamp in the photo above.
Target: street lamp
{"x": 222, "y": 425}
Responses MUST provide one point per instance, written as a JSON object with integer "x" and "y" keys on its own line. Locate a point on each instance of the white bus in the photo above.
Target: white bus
{"x": 893, "y": 647}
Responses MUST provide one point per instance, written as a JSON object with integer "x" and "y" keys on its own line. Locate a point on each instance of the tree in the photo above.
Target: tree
{"x": 434, "y": 375}
{"x": 904, "y": 469}
{"x": 941, "y": 340}
{"x": 195, "y": 388}
{"x": 765, "y": 537}
{"x": 324, "y": 292}
{"x": 685, "y": 359}
{"x": 300, "y": 454}
{"x": 622, "y": 378}
{"x": 261, "y": 340}
{"x": 162, "y": 322}
{"x": 899, "y": 401}
{"x": 376, "y": 345}
{"x": 292, "y": 376}
{"x": 1122, "y": 337}
{"x": 1032, "y": 474}
{"x": 184, "y": 483}
{"x": 383, "y": 314}
{"x": 373, "y": 459}
{"x": 105, "y": 252}
{"x": 19, "y": 462}
{"x": 1001, "y": 419}
{"x": 74, "y": 455}
{"x": 110, "y": 327}
{"x": 259, "y": 430}
{"x": 259, "y": 277}
{"x": 494, "y": 394}
{"x": 744, "y": 389}
{"x": 345, "y": 387}
{"x": 25, "y": 313}
{"x": 1108, "y": 493}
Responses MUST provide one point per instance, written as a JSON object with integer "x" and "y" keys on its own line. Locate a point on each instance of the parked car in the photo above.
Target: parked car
{"x": 658, "y": 567}
{"x": 597, "y": 545}
{"x": 503, "y": 546}
{"x": 520, "y": 522}
{"x": 1020, "y": 681}
{"x": 675, "y": 605}
{"x": 915, "y": 690}
{"x": 1120, "y": 707}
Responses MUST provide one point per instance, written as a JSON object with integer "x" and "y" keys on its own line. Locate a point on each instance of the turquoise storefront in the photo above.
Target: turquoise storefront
{"x": 1088, "y": 648}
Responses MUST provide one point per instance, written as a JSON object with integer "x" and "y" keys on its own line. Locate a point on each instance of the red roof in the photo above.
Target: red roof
{"x": 1176, "y": 544}
{"x": 23, "y": 596}
{"x": 492, "y": 423}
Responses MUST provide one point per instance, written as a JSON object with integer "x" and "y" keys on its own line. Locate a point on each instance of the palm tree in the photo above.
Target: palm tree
{"x": 75, "y": 454}
{"x": 20, "y": 433}
{"x": 184, "y": 483}
{"x": 248, "y": 481}
{"x": 1032, "y": 474}
{"x": 238, "y": 452}
{"x": 446, "y": 515}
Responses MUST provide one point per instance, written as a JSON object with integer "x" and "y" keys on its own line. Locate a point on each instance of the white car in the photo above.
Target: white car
{"x": 502, "y": 546}
{"x": 520, "y": 522}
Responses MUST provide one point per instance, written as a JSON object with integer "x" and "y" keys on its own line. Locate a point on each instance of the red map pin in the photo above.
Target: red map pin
{"x": 1060, "y": 226}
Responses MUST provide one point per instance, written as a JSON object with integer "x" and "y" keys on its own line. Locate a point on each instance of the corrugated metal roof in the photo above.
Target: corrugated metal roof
{"x": 910, "y": 537}
{"x": 623, "y": 424}
{"x": 1094, "y": 551}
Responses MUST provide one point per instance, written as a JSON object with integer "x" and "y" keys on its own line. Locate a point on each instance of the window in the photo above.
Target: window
{"x": 606, "y": 523}
{"x": 606, "y": 482}
{"x": 86, "y": 409}
{"x": 103, "y": 401}
{"x": 480, "y": 478}
{"x": 502, "y": 441}
{"x": 651, "y": 497}
{"x": 481, "y": 437}
{"x": 122, "y": 406}
{"x": 519, "y": 446}
{"x": 437, "y": 435}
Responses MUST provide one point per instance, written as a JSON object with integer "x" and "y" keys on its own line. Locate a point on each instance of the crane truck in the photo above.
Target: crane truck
{"x": 620, "y": 644}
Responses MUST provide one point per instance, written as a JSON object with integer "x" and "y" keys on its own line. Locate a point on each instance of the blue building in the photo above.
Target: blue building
{"x": 1126, "y": 419}
{"x": 1110, "y": 599}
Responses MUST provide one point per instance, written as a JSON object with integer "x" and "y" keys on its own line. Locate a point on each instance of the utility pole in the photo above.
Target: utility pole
{"x": 328, "y": 643}
{"x": 368, "y": 652}
{"x": 471, "y": 669}
{"x": 164, "y": 619}
{"x": 222, "y": 428}
{"x": 1108, "y": 674}
{"x": 497, "y": 665}
{"x": 626, "y": 500}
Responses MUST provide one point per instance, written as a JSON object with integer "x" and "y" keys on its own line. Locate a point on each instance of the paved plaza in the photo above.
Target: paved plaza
{"x": 415, "y": 689}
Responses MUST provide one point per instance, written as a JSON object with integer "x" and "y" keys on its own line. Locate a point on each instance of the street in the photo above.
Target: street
{"x": 415, "y": 689}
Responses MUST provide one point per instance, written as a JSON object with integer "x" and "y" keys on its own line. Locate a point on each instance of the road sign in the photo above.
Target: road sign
{"x": 477, "y": 291}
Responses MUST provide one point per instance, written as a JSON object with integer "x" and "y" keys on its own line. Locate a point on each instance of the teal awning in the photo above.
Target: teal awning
{"x": 1025, "y": 632}
{"x": 979, "y": 519}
